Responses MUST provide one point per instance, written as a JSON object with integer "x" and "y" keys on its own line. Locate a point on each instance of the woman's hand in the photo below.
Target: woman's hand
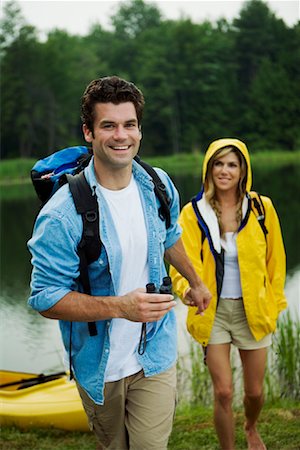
{"x": 197, "y": 296}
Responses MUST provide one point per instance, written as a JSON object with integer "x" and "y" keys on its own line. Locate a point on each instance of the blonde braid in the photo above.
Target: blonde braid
{"x": 218, "y": 211}
{"x": 239, "y": 214}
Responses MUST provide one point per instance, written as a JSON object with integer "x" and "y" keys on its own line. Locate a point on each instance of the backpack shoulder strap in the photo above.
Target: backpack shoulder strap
{"x": 258, "y": 206}
{"x": 89, "y": 246}
{"x": 160, "y": 192}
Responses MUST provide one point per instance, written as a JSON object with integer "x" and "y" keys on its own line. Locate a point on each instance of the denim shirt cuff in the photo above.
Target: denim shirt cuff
{"x": 173, "y": 237}
{"x": 47, "y": 298}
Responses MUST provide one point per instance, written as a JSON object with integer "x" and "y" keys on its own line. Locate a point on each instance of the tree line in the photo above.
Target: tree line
{"x": 201, "y": 81}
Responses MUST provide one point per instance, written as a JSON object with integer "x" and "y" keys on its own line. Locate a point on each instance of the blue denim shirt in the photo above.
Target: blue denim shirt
{"x": 53, "y": 246}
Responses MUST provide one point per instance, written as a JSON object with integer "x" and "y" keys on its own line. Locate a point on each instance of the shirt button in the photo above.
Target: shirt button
{"x": 106, "y": 350}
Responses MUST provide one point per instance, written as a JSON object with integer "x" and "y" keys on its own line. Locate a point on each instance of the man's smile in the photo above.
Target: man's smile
{"x": 120, "y": 147}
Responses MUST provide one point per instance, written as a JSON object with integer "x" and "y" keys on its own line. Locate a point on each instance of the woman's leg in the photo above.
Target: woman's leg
{"x": 254, "y": 364}
{"x": 218, "y": 362}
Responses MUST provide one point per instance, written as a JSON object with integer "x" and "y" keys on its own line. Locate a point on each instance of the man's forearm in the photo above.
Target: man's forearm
{"x": 137, "y": 306}
{"x": 76, "y": 306}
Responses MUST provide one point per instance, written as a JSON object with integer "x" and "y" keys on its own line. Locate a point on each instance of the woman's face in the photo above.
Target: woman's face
{"x": 226, "y": 173}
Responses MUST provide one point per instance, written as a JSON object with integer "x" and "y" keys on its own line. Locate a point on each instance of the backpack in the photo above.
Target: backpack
{"x": 66, "y": 166}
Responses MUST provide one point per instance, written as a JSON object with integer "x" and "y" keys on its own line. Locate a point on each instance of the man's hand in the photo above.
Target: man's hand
{"x": 197, "y": 296}
{"x": 138, "y": 306}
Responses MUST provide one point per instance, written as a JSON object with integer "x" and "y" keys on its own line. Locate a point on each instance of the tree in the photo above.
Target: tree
{"x": 19, "y": 86}
{"x": 201, "y": 81}
{"x": 188, "y": 75}
{"x": 275, "y": 110}
{"x": 10, "y": 25}
{"x": 267, "y": 55}
{"x": 134, "y": 17}
{"x": 257, "y": 36}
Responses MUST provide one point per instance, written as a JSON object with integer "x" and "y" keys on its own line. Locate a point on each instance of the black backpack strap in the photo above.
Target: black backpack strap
{"x": 160, "y": 192}
{"x": 89, "y": 246}
{"x": 259, "y": 206}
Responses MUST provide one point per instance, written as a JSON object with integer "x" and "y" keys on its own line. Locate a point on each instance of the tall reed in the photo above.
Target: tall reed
{"x": 286, "y": 364}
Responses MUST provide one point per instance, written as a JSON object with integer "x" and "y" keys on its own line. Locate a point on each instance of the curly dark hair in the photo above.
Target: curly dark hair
{"x": 109, "y": 90}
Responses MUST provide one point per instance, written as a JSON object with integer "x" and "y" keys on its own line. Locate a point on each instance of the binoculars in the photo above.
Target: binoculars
{"x": 165, "y": 288}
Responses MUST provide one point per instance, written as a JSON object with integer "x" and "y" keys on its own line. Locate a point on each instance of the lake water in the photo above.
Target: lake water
{"x": 31, "y": 343}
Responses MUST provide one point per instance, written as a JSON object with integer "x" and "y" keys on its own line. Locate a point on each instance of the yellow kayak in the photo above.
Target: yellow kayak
{"x": 31, "y": 400}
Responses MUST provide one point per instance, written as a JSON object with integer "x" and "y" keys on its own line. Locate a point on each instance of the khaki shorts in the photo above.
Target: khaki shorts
{"x": 138, "y": 412}
{"x": 231, "y": 326}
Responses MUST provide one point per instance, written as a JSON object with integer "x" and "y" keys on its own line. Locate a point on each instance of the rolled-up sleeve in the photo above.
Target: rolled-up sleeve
{"x": 174, "y": 231}
{"x": 54, "y": 259}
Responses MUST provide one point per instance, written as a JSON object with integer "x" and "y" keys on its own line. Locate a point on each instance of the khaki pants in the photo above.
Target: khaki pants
{"x": 231, "y": 326}
{"x": 137, "y": 414}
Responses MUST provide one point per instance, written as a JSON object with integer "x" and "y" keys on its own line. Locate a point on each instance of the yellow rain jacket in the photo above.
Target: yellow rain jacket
{"x": 261, "y": 257}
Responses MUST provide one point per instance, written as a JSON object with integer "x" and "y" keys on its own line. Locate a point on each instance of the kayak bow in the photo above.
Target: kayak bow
{"x": 31, "y": 400}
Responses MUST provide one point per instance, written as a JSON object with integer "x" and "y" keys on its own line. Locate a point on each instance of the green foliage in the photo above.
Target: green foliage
{"x": 45, "y": 439}
{"x": 201, "y": 80}
{"x": 193, "y": 430}
{"x": 287, "y": 350}
{"x": 133, "y": 17}
{"x": 10, "y": 25}
{"x": 17, "y": 171}
{"x": 282, "y": 379}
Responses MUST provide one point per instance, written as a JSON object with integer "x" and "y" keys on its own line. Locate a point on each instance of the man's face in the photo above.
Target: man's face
{"x": 116, "y": 137}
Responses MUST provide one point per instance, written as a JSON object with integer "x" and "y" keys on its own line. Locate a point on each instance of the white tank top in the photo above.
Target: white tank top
{"x": 231, "y": 287}
{"x": 128, "y": 217}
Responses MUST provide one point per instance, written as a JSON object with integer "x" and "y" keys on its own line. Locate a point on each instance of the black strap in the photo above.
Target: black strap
{"x": 160, "y": 192}
{"x": 259, "y": 206}
{"x": 143, "y": 340}
{"x": 89, "y": 247}
{"x": 87, "y": 205}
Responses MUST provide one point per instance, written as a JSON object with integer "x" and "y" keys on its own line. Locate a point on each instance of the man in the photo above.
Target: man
{"x": 128, "y": 395}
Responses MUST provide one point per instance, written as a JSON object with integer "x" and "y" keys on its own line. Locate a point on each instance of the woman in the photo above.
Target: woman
{"x": 241, "y": 259}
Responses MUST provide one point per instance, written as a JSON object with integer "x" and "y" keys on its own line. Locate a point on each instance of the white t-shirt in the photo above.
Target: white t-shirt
{"x": 128, "y": 217}
{"x": 231, "y": 287}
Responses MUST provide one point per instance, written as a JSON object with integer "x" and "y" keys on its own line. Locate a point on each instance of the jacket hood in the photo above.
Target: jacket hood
{"x": 220, "y": 143}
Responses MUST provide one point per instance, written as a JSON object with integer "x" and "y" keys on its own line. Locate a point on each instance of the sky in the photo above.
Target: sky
{"x": 76, "y": 17}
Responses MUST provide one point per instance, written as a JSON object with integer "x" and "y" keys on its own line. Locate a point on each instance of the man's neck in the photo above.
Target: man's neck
{"x": 114, "y": 179}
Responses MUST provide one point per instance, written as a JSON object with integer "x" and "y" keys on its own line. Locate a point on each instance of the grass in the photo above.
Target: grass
{"x": 279, "y": 427}
{"x": 284, "y": 361}
{"x": 45, "y": 439}
{"x": 282, "y": 378}
{"x": 16, "y": 171}
{"x": 191, "y": 163}
{"x": 193, "y": 430}
{"x": 17, "y": 191}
